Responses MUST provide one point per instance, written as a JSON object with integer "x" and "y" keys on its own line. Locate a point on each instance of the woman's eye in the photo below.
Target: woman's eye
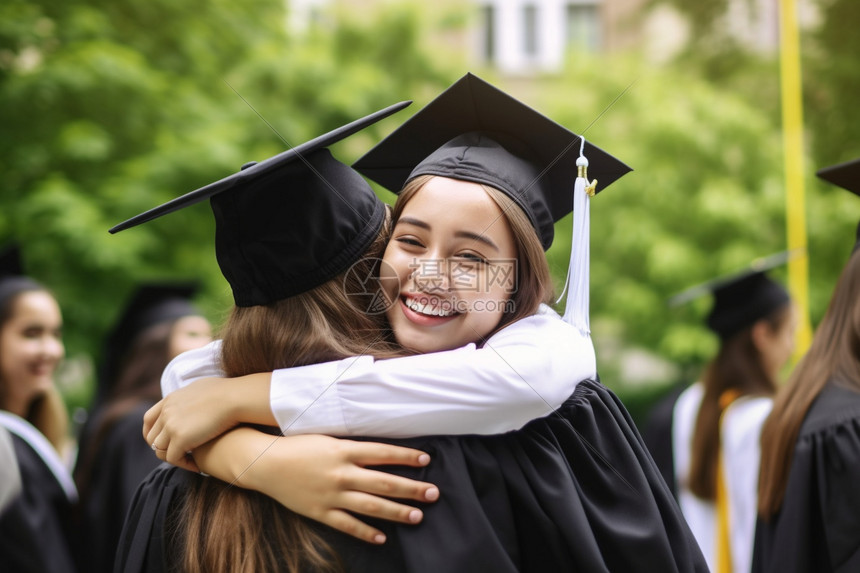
{"x": 409, "y": 241}
{"x": 472, "y": 258}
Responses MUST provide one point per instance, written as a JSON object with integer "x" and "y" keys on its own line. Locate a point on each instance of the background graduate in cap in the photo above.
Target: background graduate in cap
{"x": 715, "y": 423}
{"x": 460, "y": 531}
{"x": 809, "y": 502}
{"x": 157, "y": 323}
{"x": 35, "y": 526}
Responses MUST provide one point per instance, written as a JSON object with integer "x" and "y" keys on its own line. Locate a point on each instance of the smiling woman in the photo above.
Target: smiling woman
{"x": 36, "y": 528}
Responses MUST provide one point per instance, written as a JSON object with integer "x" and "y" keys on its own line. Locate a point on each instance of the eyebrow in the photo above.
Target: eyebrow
{"x": 459, "y": 234}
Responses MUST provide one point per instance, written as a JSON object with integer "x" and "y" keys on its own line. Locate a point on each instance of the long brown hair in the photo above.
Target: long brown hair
{"x": 833, "y": 355}
{"x": 224, "y": 528}
{"x": 534, "y": 282}
{"x": 738, "y": 366}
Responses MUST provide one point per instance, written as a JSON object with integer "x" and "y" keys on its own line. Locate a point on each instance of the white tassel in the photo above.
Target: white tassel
{"x": 577, "y": 289}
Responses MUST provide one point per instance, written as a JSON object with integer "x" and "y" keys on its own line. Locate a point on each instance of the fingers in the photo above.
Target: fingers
{"x": 184, "y": 461}
{"x": 349, "y": 524}
{"x": 177, "y": 456}
{"x": 388, "y": 485}
{"x": 150, "y": 418}
{"x": 381, "y": 508}
{"x": 376, "y": 454}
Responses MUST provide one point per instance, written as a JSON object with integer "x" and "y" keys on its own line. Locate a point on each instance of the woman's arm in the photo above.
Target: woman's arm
{"x": 523, "y": 372}
{"x": 320, "y": 477}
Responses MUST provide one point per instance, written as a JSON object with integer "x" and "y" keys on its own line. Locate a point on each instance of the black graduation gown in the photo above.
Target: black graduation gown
{"x": 36, "y": 528}
{"x": 818, "y": 526}
{"x": 575, "y": 491}
{"x": 122, "y": 461}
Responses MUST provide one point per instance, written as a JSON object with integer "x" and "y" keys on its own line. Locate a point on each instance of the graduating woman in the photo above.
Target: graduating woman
{"x": 157, "y": 323}
{"x": 36, "y": 524}
{"x": 809, "y": 502}
{"x": 716, "y": 422}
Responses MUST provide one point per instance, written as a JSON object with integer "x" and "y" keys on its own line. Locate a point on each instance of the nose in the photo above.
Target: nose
{"x": 52, "y": 347}
{"x": 431, "y": 275}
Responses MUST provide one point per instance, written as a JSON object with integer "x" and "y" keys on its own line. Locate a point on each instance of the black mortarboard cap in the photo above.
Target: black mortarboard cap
{"x": 150, "y": 304}
{"x": 12, "y": 278}
{"x": 291, "y": 222}
{"x": 475, "y": 132}
{"x": 847, "y": 176}
{"x": 10, "y": 261}
{"x": 742, "y": 298}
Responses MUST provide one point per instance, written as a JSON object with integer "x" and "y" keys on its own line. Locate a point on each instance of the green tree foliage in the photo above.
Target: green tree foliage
{"x": 829, "y": 51}
{"x": 829, "y": 47}
{"x": 705, "y": 197}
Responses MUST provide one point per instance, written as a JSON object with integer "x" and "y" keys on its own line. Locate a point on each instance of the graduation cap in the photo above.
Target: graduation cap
{"x": 12, "y": 278}
{"x": 847, "y": 176}
{"x": 742, "y": 298}
{"x": 291, "y": 222}
{"x": 10, "y": 262}
{"x": 475, "y": 132}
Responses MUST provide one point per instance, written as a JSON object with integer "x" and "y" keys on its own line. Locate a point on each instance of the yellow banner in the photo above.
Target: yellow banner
{"x": 792, "y": 129}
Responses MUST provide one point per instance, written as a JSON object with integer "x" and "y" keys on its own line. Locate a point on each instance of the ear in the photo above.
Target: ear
{"x": 761, "y": 333}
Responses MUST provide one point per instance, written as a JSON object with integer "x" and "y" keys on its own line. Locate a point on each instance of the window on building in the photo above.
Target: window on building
{"x": 583, "y": 26}
{"x": 488, "y": 13}
{"x": 530, "y": 39}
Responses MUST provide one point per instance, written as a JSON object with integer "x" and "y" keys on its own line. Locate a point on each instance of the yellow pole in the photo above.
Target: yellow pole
{"x": 792, "y": 127}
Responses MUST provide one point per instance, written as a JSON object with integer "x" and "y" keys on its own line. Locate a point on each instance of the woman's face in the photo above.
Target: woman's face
{"x": 31, "y": 347}
{"x": 188, "y": 333}
{"x": 454, "y": 257}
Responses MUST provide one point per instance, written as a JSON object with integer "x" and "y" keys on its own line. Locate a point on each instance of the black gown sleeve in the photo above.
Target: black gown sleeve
{"x": 820, "y": 515}
{"x": 36, "y": 528}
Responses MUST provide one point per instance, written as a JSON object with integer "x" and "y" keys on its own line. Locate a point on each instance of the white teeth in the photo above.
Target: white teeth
{"x": 428, "y": 309}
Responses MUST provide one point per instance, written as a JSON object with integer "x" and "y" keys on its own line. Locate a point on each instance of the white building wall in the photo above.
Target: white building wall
{"x": 510, "y": 51}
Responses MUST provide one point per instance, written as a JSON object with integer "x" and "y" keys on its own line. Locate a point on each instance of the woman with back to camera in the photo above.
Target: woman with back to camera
{"x": 183, "y": 521}
{"x": 36, "y": 526}
{"x": 809, "y": 502}
{"x": 717, "y": 422}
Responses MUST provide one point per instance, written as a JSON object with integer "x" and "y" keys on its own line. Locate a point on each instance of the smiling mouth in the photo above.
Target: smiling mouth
{"x": 430, "y": 306}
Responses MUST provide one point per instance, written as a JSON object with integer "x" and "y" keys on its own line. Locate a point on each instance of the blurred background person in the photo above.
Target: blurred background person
{"x": 809, "y": 500}
{"x": 158, "y": 323}
{"x": 35, "y": 526}
{"x": 708, "y": 437}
